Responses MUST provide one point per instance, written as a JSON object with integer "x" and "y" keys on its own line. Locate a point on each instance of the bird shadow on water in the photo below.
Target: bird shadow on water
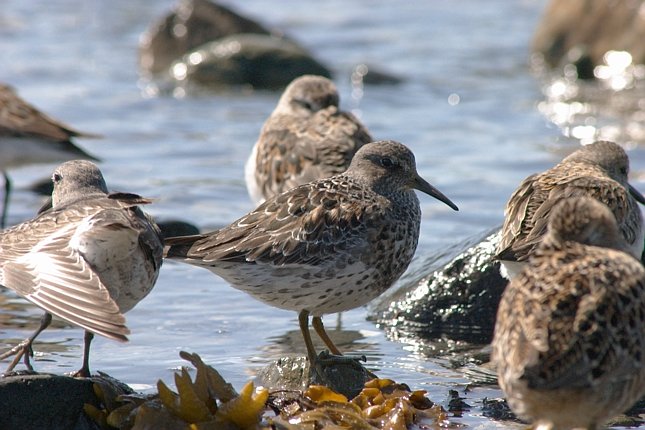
{"x": 351, "y": 342}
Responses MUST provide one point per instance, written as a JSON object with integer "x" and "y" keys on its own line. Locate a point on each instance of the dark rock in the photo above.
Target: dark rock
{"x": 457, "y": 300}
{"x": 46, "y": 401}
{"x": 497, "y": 409}
{"x": 293, "y": 373}
{"x": 175, "y": 227}
{"x": 592, "y": 27}
{"x": 456, "y": 404}
{"x": 42, "y": 401}
{"x": 247, "y": 59}
{"x": 191, "y": 24}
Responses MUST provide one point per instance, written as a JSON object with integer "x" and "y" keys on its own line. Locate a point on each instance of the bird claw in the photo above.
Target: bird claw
{"x": 24, "y": 372}
{"x": 81, "y": 373}
{"x": 325, "y": 358}
{"x": 22, "y": 350}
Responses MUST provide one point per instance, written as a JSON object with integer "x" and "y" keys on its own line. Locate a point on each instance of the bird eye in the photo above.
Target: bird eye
{"x": 305, "y": 104}
{"x": 623, "y": 170}
{"x": 386, "y": 162}
{"x": 56, "y": 177}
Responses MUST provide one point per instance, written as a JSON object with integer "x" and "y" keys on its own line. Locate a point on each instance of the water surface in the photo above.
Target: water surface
{"x": 468, "y": 108}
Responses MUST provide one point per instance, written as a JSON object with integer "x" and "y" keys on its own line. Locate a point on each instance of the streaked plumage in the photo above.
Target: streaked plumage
{"x": 599, "y": 170}
{"x": 307, "y": 137}
{"x": 88, "y": 260}
{"x": 326, "y": 246}
{"x": 28, "y": 136}
{"x": 569, "y": 342}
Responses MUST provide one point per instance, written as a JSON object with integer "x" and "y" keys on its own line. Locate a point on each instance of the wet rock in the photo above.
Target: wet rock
{"x": 247, "y": 59}
{"x": 191, "y": 24}
{"x": 204, "y": 42}
{"x": 580, "y": 32}
{"x": 43, "y": 401}
{"x": 454, "y": 294}
{"x": 293, "y": 373}
{"x": 456, "y": 404}
{"x": 498, "y": 409}
{"x": 176, "y": 227}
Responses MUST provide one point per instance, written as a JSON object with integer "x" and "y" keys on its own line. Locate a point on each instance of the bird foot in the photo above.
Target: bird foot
{"x": 343, "y": 374}
{"x": 325, "y": 358}
{"x": 22, "y": 372}
{"x": 22, "y": 350}
{"x": 81, "y": 373}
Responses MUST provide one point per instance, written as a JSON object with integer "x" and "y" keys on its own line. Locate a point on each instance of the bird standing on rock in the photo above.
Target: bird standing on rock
{"x": 89, "y": 259}
{"x": 326, "y": 246}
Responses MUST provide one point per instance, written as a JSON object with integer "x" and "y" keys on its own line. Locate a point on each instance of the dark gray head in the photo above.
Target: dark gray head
{"x": 389, "y": 167}
{"x": 308, "y": 94}
{"x": 76, "y": 179}
{"x": 584, "y": 220}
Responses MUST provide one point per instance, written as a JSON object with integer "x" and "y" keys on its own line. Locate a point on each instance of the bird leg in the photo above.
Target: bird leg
{"x": 84, "y": 371}
{"x": 326, "y": 359}
{"x": 5, "y": 201}
{"x": 303, "y": 320}
{"x": 317, "y": 323}
{"x": 23, "y": 349}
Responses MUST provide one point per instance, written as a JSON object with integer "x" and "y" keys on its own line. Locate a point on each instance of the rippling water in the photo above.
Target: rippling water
{"x": 468, "y": 108}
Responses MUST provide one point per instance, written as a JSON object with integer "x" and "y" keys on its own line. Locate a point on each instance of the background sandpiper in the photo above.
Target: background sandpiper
{"x": 28, "y": 136}
{"x": 326, "y": 246}
{"x": 307, "y": 137}
{"x": 88, "y": 260}
{"x": 599, "y": 170}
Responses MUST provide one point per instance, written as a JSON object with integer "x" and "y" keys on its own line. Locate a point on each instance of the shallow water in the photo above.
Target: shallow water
{"x": 76, "y": 60}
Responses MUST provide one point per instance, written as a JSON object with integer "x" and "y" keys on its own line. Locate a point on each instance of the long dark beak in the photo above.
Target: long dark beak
{"x": 422, "y": 185}
{"x": 636, "y": 194}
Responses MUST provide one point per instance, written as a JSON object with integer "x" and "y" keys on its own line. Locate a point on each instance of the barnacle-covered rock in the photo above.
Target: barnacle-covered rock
{"x": 293, "y": 373}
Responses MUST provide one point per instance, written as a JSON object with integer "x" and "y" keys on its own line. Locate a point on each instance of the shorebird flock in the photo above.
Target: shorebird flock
{"x": 337, "y": 223}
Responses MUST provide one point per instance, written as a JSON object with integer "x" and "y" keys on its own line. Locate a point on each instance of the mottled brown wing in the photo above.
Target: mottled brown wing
{"x": 46, "y": 270}
{"x": 294, "y": 152}
{"x": 306, "y": 225}
{"x": 526, "y": 222}
{"x": 19, "y": 118}
{"x": 578, "y": 326}
{"x": 515, "y": 217}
